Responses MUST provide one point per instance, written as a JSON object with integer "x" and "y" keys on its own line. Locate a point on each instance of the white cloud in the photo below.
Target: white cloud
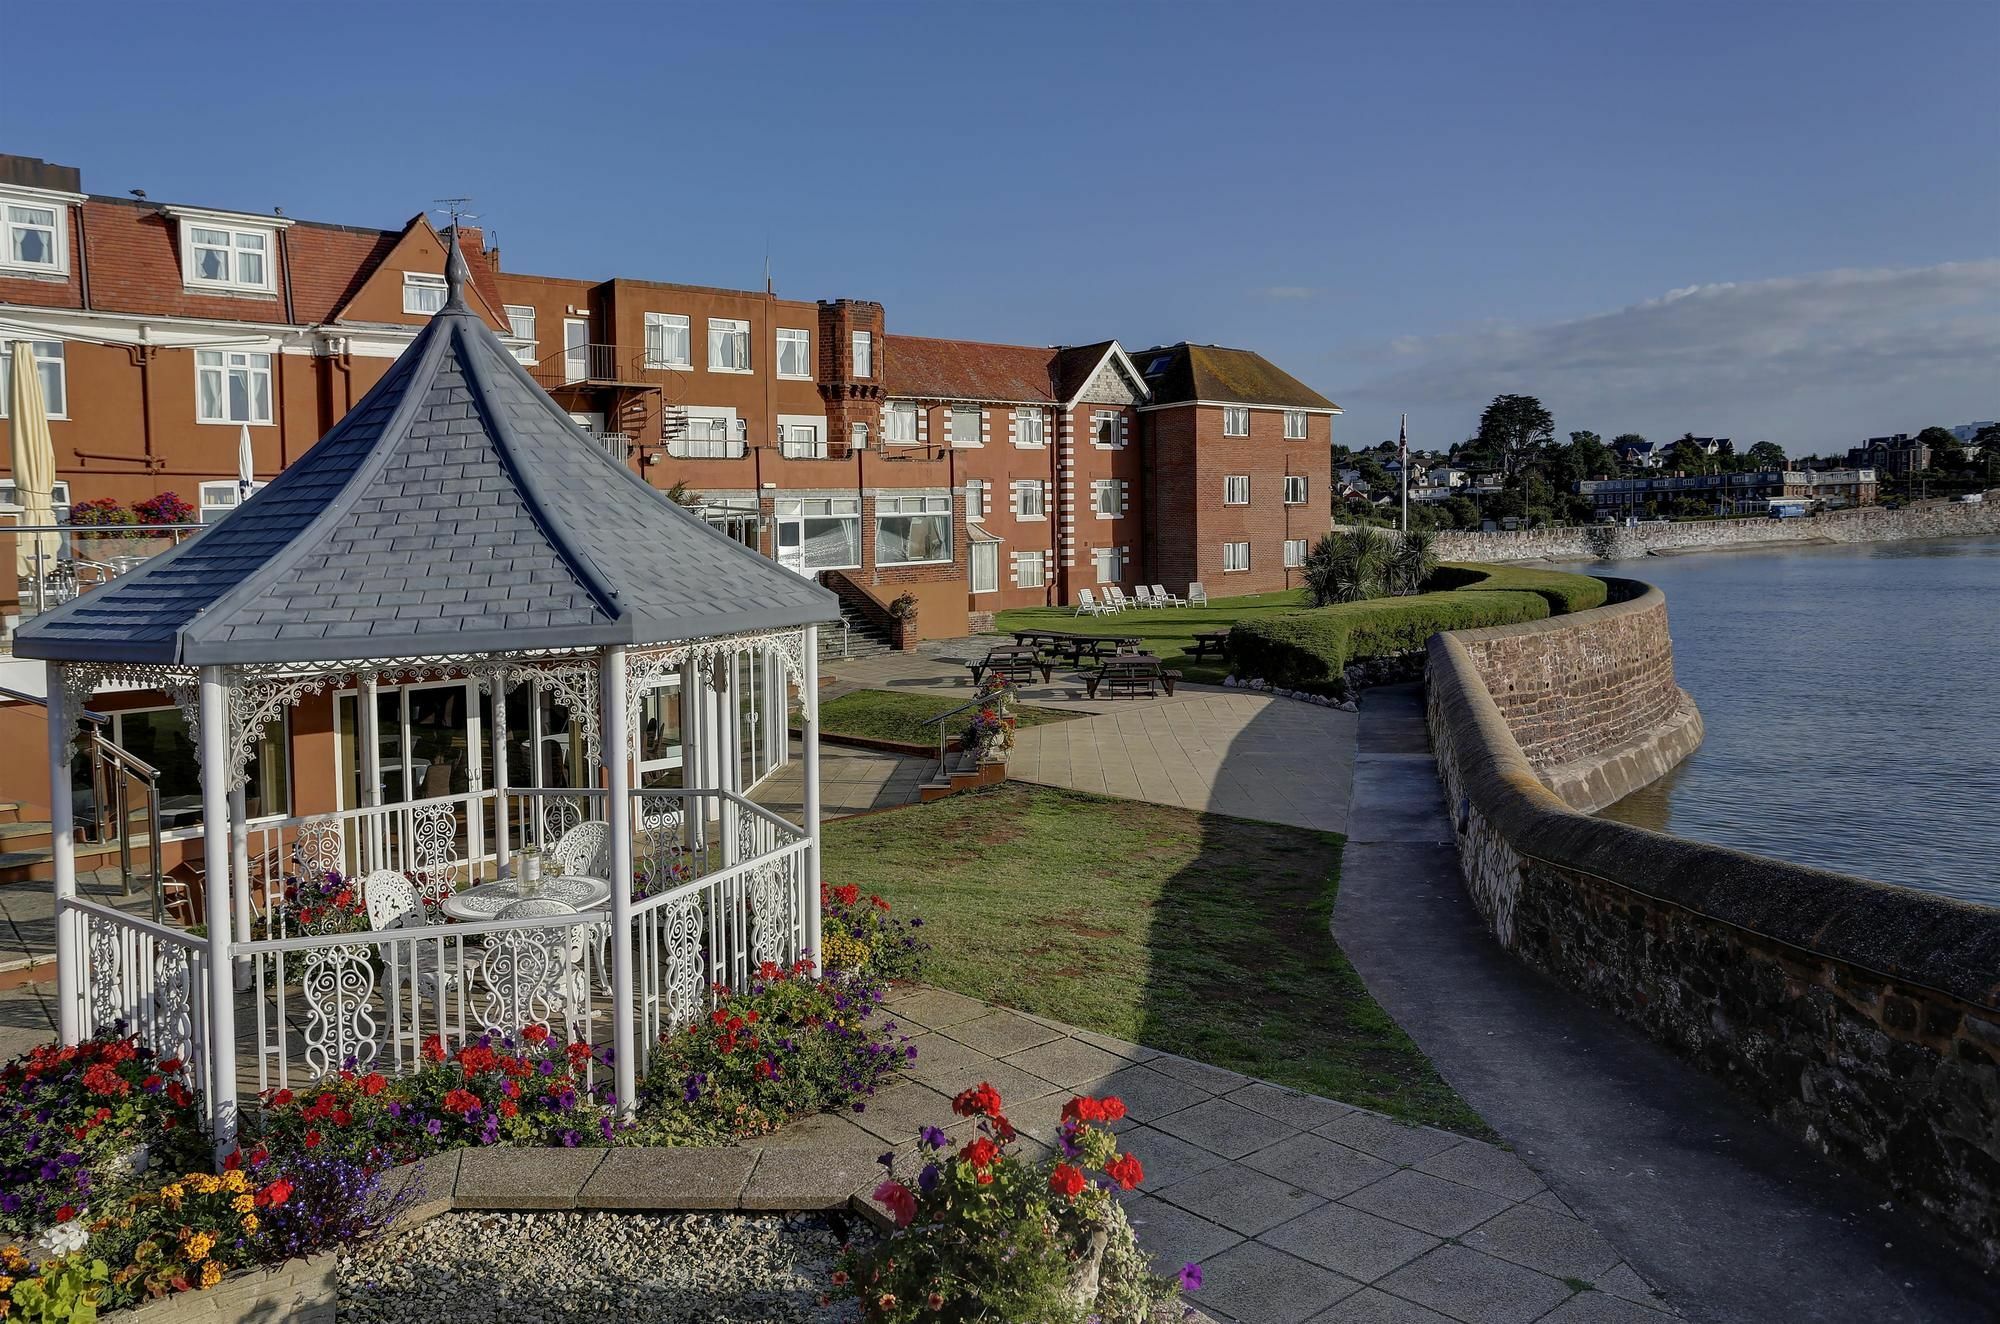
{"x": 1812, "y": 362}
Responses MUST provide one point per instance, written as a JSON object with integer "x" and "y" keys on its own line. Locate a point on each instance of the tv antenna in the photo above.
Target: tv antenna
{"x": 457, "y": 208}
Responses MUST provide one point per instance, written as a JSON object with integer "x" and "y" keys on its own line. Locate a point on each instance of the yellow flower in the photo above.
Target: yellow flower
{"x": 243, "y": 1204}
{"x": 6, "y": 1283}
{"x": 173, "y": 1192}
{"x": 234, "y": 1180}
{"x": 250, "y": 1224}
{"x": 204, "y": 1183}
{"x": 199, "y": 1245}
{"x": 211, "y": 1274}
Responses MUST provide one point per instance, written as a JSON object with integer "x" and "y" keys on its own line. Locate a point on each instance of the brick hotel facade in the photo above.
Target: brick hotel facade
{"x": 976, "y": 476}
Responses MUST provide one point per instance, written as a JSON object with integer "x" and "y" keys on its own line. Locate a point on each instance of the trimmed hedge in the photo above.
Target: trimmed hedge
{"x": 1311, "y": 650}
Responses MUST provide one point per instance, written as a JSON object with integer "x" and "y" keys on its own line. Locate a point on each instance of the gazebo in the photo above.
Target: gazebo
{"x": 453, "y": 524}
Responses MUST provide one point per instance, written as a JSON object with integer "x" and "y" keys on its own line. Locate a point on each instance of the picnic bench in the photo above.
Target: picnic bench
{"x": 1211, "y": 641}
{"x": 1133, "y": 674}
{"x": 1016, "y": 663}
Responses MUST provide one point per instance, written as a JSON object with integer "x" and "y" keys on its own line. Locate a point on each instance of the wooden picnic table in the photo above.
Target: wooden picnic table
{"x": 1016, "y": 662}
{"x": 1041, "y": 636}
{"x": 1132, "y": 673}
{"x": 1211, "y": 641}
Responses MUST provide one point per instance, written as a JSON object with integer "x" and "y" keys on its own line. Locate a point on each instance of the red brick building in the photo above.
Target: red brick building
{"x": 973, "y": 476}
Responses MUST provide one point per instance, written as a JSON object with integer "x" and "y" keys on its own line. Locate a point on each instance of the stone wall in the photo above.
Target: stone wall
{"x": 1862, "y": 1017}
{"x": 1869, "y": 524}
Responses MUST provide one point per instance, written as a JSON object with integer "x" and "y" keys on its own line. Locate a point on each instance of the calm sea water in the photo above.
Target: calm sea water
{"x": 1852, "y": 702}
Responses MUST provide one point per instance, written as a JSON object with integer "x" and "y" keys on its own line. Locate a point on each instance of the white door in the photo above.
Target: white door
{"x": 985, "y": 567}
{"x": 791, "y": 545}
{"x": 576, "y": 349}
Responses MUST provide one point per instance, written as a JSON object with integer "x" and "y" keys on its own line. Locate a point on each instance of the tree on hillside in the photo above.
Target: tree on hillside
{"x": 1373, "y": 474}
{"x": 1766, "y": 455}
{"x": 1988, "y": 441}
{"x": 1587, "y": 456}
{"x": 1513, "y": 426}
{"x": 1689, "y": 458}
{"x": 1947, "y": 455}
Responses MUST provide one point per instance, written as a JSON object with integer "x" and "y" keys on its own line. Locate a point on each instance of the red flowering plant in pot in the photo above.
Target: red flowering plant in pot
{"x": 983, "y": 1233}
{"x": 80, "y": 1125}
{"x": 318, "y": 902}
{"x": 794, "y": 1043}
{"x": 492, "y": 1090}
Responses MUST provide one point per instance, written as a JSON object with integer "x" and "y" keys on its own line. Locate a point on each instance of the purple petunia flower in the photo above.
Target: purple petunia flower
{"x": 935, "y": 1137}
{"x": 927, "y": 1180}
{"x": 434, "y": 1126}
{"x": 1190, "y": 1277}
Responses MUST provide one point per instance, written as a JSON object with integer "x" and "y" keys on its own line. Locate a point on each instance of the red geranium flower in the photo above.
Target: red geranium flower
{"x": 899, "y": 1200}
{"x": 981, "y": 1100}
{"x": 373, "y": 1083}
{"x": 312, "y": 1139}
{"x": 535, "y": 1034}
{"x": 1067, "y": 1181}
{"x": 1125, "y": 1170}
{"x": 460, "y": 1101}
{"x": 275, "y": 1194}
{"x": 980, "y": 1153}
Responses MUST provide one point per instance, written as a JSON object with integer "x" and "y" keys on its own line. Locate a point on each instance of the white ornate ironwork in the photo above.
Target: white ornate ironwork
{"x": 80, "y": 680}
{"x": 339, "y": 988}
{"x": 173, "y": 1003}
{"x": 255, "y": 704}
{"x": 435, "y": 857}
{"x": 527, "y": 976}
{"x": 682, "y": 961}
{"x": 770, "y": 913}
{"x": 106, "y": 988}
{"x": 648, "y": 668}
{"x": 584, "y": 850}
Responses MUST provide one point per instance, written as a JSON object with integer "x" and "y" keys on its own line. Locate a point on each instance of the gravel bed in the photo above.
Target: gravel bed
{"x": 540, "y": 1268}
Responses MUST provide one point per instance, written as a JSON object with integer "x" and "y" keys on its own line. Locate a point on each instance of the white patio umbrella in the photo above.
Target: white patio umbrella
{"x": 34, "y": 463}
{"x": 246, "y": 465}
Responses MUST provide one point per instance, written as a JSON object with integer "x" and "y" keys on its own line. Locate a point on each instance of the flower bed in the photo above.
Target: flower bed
{"x": 865, "y": 941}
{"x": 983, "y": 1233}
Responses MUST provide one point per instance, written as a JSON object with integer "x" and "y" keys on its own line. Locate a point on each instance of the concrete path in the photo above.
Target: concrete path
{"x": 850, "y": 781}
{"x": 1734, "y": 1221}
{"x": 1296, "y": 1207}
{"x": 1205, "y": 748}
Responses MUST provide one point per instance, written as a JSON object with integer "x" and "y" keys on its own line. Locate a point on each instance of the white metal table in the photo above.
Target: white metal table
{"x": 578, "y": 891}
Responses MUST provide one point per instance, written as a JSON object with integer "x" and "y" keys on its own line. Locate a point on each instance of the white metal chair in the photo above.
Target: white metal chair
{"x": 546, "y": 966}
{"x": 1197, "y": 596}
{"x": 584, "y": 851}
{"x": 393, "y": 903}
{"x": 1088, "y": 605}
{"x": 1162, "y": 598}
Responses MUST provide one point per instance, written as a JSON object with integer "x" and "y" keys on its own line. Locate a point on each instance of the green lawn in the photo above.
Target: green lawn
{"x": 1168, "y": 632}
{"x": 1192, "y": 933}
{"x": 905, "y": 715}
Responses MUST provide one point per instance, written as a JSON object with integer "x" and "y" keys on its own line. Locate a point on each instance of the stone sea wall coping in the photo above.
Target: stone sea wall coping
{"x": 1863, "y": 1016}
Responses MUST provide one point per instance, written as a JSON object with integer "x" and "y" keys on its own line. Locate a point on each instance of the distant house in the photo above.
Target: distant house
{"x": 1965, "y": 432}
{"x": 1446, "y": 476}
{"x": 1638, "y": 454}
{"x": 1899, "y": 453}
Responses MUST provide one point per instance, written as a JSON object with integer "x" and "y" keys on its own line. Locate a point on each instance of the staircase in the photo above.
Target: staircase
{"x": 862, "y": 637}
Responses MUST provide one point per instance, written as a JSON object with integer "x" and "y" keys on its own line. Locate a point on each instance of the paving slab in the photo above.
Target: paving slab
{"x": 1486, "y": 1167}
{"x": 1256, "y": 1284}
{"x": 1369, "y": 1306}
{"x": 937, "y": 1009}
{"x": 1550, "y": 1243}
{"x": 1225, "y": 1128}
{"x": 1321, "y": 1166}
{"x": 1070, "y": 1063}
{"x": 899, "y": 1111}
{"x": 1166, "y": 1159}
{"x": 1428, "y": 1204}
{"x": 1387, "y": 1138}
{"x": 1599, "y": 1308}
{"x": 1352, "y": 1243}
{"x": 1476, "y": 1288}
{"x": 1171, "y": 1236}
{"x": 523, "y": 1178}
{"x": 814, "y": 1179}
{"x": 999, "y": 1033}
{"x": 1146, "y": 1093}
{"x": 1303, "y": 1111}
{"x": 421, "y": 1190}
{"x": 694, "y": 1177}
{"x": 1215, "y": 1080}
{"x": 1242, "y": 1201}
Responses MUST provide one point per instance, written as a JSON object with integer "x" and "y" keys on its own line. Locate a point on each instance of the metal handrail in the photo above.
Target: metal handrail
{"x": 943, "y": 739}
{"x": 113, "y": 769}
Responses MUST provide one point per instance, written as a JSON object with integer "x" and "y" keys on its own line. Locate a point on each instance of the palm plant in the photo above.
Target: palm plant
{"x": 1347, "y": 566}
{"x": 1412, "y": 560}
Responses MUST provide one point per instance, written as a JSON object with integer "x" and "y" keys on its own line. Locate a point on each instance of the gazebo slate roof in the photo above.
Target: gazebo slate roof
{"x": 454, "y": 510}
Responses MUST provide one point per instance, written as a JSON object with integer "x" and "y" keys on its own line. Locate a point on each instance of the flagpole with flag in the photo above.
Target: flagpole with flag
{"x": 1403, "y": 460}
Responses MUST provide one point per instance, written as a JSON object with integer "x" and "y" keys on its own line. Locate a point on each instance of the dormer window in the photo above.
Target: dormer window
{"x": 220, "y": 251}
{"x": 34, "y": 231}
{"x": 423, "y": 293}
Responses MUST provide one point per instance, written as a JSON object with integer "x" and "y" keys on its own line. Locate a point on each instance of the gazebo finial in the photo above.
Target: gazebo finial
{"x": 456, "y": 275}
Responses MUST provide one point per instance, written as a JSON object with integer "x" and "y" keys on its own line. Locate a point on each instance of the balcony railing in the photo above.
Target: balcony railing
{"x": 580, "y": 365}
{"x": 53, "y": 563}
{"x": 614, "y": 444}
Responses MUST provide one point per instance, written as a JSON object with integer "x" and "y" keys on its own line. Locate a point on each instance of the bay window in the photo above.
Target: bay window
{"x": 232, "y": 386}
{"x": 819, "y": 533}
{"x": 913, "y": 530}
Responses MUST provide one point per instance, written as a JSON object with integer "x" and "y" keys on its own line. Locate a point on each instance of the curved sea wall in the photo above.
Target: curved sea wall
{"x": 1862, "y": 1017}
{"x": 1867, "y": 524}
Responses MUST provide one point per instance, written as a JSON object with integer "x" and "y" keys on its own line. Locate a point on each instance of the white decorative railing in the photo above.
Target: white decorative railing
{"x": 149, "y": 979}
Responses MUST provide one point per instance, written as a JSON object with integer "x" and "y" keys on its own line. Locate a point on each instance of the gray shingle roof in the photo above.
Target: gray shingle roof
{"x": 454, "y": 510}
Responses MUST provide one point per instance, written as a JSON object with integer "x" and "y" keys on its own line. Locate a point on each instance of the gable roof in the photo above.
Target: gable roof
{"x": 924, "y": 368}
{"x": 1183, "y": 373}
{"x": 454, "y": 510}
{"x": 1077, "y": 365}
{"x": 411, "y": 249}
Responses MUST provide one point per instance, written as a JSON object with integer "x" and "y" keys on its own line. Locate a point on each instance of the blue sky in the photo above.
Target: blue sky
{"x": 1760, "y": 220}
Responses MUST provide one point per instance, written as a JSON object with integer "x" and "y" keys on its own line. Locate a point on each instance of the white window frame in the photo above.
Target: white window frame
{"x": 221, "y": 497}
{"x": 975, "y": 553}
{"x": 734, "y": 331}
{"x": 47, "y": 353}
{"x": 1235, "y": 551}
{"x": 521, "y": 325}
{"x": 1295, "y": 483}
{"x": 1031, "y": 429}
{"x": 1109, "y": 563}
{"x": 802, "y": 340}
{"x": 805, "y": 511}
{"x": 899, "y": 412}
{"x": 977, "y": 493}
{"x": 233, "y": 249}
{"x": 721, "y": 436}
{"x": 1024, "y": 489}
{"x": 1236, "y": 420}
{"x": 862, "y": 346}
{"x": 967, "y": 419}
{"x": 1236, "y": 489}
{"x": 1114, "y": 490}
{"x": 57, "y": 228}
{"x": 1103, "y": 424}
{"x": 251, "y": 368}
{"x": 801, "y": 440}
{"x": 419, "y": 287}
{"x": 666, "y": 324}
{"x": 1296, "y": 426}
{"x": 1296, "y": 551}
{"x": 902, "y": 507}
{"x": 1036, "y": 566}
{"x": 10, "y": 498}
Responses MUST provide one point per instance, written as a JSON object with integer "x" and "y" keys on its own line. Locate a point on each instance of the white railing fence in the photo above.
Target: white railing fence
{"x": 146, "y": 979}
